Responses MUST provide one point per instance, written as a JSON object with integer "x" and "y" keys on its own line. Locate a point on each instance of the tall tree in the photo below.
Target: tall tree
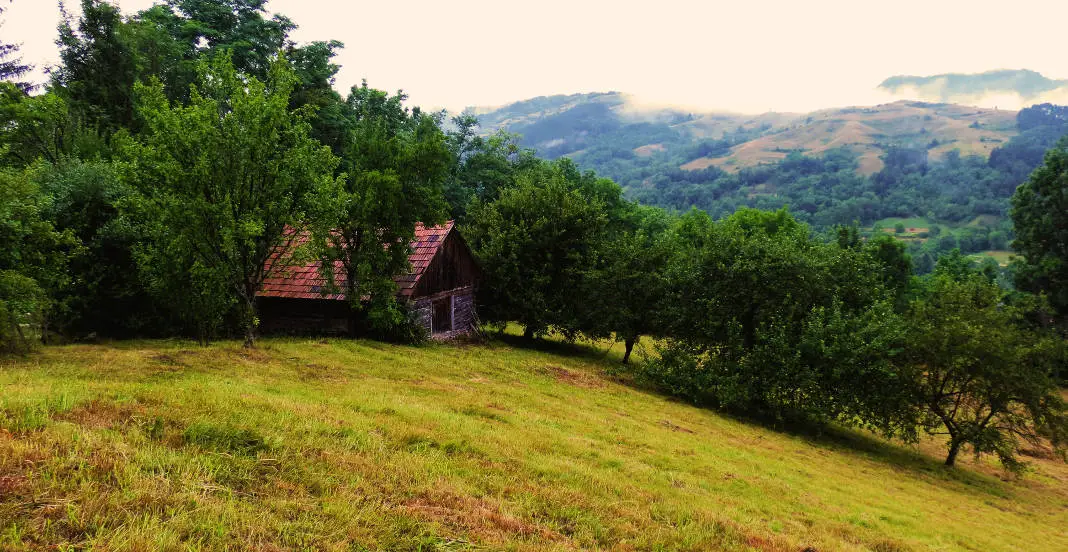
{"x": 1040, "y": 213}
{"x": 97, "y": 70}
{"x": 482, "y": 166}
{"x": 395, "y": 160}
{"x": 12, "y": 68}
{"x": 228, "y": 174}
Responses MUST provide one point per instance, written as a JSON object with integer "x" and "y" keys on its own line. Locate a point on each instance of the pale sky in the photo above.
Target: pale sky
{"x": 745, "y": 55}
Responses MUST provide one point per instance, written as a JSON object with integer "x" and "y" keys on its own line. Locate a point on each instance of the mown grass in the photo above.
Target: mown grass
{"x": 358, "y": 445}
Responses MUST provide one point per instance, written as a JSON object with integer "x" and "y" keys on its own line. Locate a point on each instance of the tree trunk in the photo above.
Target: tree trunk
{"x": 629, "y": 344}
{"x": 954, "y": 448}
{"x": 528, "y": 333}
{"x": 250, "y": 321}
{"x": 250, "y": 335}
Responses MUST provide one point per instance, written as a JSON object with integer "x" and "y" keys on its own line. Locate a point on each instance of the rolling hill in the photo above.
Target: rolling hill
{"x": 580, "y": 125}
{"x": 360, "y": 445}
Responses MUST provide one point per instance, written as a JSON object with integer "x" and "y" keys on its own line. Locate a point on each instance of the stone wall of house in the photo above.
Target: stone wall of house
{"x": 464, "y": 315}
{"x": 423, "y": 310}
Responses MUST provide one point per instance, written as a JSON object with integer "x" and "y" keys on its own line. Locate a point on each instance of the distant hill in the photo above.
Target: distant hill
{"x": 978, "y": 88}
{"x": 597, "y": 128}
{"x": 870, "y": 131}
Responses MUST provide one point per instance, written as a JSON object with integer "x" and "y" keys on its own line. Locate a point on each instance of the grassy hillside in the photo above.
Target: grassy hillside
{"x": 868, "y": 131}
{"x": 581, "y": 125}
{"x": 358, "y": 445}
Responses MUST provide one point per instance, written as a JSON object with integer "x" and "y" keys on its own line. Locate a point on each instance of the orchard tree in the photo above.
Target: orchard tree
{"x": 978, "y": 375}
{"x": 394, "y": 162}
{"x": 535, "y": 244}
{"x": 765, "y": 320}
{"x": 225, "y": 176}
{"x": 1040, "y": 213}
{"x": 626, "y": 287}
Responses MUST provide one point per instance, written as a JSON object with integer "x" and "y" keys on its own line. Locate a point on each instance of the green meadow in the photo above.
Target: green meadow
{"x": 360, "y": 445}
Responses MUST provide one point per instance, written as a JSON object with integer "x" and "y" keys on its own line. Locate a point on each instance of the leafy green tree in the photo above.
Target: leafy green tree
{"x": 979, "y": 375}
{"x": 766, "y": 320}
{"x": 42, "y": 127}
{"x": 1040, "y": 213}
{"x": 226, "y": 176}
{"x": 894, "y": 260}
{"x": 106, "y": 296}
{"x": 626, "y": 287}
{"x": 32, "y": 261}
{"x": 535, "y": 244}
{"x": 395, "y": 161}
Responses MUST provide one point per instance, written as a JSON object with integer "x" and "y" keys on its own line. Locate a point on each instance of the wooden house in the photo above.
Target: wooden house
{"x": 439, "y": 290}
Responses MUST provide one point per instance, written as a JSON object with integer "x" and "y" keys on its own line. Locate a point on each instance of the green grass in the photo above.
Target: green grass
{"x": 358, "y": 445}
{"x": 1001, "y": 256}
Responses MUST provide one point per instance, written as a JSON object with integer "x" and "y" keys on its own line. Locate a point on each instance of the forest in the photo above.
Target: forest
{"x": 147, "y": 183}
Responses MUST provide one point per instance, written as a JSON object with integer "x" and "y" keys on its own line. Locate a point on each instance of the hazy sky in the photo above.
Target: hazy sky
{"x": 744, "y": 55}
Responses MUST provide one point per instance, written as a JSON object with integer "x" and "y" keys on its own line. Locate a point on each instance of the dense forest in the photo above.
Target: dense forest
{"x": 147, "y": 184}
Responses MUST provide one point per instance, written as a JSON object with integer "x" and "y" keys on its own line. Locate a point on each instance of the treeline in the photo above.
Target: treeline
{"x": 176, "y": 150}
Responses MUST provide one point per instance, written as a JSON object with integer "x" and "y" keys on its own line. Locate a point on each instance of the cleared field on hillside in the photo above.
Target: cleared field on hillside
{"x": 358, "y": 445}
{"x": 868, "y": 131}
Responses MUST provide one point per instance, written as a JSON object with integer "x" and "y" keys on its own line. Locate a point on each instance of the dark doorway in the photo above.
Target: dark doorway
{"x": 442, "y": 315}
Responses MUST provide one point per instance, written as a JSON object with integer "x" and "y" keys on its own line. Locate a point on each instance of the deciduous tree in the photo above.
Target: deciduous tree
{"x": 227, "y": 174}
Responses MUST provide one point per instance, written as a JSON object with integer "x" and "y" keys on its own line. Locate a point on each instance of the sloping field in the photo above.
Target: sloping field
{"x": 358, "y": 445}
{"x": 870, "y": 130}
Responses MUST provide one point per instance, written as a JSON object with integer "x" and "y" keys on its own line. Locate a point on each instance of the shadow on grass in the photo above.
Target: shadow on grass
{"x": 553, "y": 345}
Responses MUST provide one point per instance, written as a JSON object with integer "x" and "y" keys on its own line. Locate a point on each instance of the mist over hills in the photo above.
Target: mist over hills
{"x": 1007, "y": 85}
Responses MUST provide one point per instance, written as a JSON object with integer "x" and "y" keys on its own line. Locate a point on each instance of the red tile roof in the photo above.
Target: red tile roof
{"x": 304, "y": 281}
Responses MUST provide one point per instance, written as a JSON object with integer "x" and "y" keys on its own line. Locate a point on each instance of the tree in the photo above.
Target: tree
{"x": 107, "y": 297}
{"x": 32, "y": 261}
{"x": 395, "y": 161}
{"x": 226, "y": 176}
{"x": 1040, "y": 213}
{"x": 535, "y": 244}
{"x": 979, "y": 375}
{"x": 97, "y": 70}
{"x": 482, "y": 166}
{"x": 12, "y": 68}
{"x": 765, "y": 320}
{"x": 626, "y": 287}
